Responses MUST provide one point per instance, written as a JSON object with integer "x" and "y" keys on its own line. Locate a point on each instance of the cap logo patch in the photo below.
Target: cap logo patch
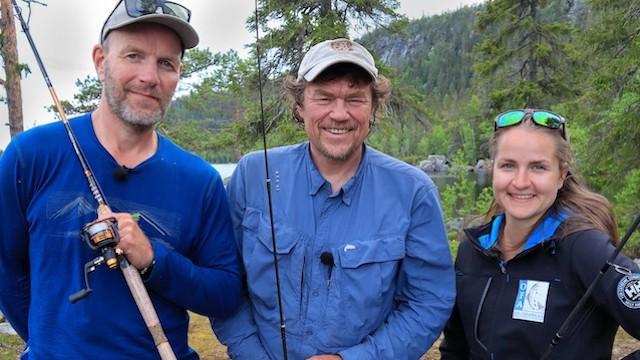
{"x": 342, "y": 45}
{"x": 628, "y": 291}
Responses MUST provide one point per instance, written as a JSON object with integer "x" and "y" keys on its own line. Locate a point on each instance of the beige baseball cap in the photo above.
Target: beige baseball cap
{"x": 330, "y": 52}
{"x": 171, "y": 15}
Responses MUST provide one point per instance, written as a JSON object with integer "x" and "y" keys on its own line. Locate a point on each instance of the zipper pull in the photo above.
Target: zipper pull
{"x": 503, "y": 266}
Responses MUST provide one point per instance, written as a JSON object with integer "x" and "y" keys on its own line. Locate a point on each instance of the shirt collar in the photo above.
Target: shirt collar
{"x": 316, "y": 180}
{"x": 348, "y": 189}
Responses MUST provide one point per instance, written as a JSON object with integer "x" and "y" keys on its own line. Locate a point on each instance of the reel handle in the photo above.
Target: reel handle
{"x": 75, "y": 297}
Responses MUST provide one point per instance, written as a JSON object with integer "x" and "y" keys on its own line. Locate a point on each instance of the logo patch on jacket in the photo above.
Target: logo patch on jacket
{"x": 531, "y": 300}
{"x": 629, "y": 291}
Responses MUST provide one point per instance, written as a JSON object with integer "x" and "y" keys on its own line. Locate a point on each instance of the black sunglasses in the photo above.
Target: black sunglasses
{"x": 542, "y": 118}
{"x": 137, "y": 8}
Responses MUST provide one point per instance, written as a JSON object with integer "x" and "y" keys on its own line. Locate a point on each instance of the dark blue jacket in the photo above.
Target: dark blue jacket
{"x": 490, "y": 320}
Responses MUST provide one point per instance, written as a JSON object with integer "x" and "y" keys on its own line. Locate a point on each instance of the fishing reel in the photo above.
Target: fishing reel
{"x": 100, "y": 235}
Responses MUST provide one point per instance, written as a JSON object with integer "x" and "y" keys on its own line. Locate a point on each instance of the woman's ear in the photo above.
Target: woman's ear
{"x": 564, "y": 172}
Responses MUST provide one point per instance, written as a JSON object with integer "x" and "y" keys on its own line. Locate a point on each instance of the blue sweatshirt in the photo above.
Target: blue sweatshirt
{"x": 45, "y": 202}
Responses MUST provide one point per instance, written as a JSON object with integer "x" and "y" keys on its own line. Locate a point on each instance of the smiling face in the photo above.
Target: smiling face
{"x": 527, "y": 174}
{"x": 336, "y": 115}
{"x": 139, "y": 66}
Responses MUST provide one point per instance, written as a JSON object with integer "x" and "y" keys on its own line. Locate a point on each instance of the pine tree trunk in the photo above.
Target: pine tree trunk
{"x": 9, "y": 52}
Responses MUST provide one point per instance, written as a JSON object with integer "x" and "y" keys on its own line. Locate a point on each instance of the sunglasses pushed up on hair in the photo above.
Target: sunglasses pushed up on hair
{"x": 137, "y": 8}
{"x": 539, "y": 117}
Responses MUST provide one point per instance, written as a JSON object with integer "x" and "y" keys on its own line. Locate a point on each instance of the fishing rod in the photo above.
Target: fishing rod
{"x": 283, "y": 326}
{"x": 102, "y": 234}
{"x": 577, "y": 310}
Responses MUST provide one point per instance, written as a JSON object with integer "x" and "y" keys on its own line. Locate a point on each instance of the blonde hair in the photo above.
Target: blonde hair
{"x": 588, "y": 210}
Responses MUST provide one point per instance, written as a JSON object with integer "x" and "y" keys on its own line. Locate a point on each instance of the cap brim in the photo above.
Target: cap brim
{"x": 323, "y": 65}
{"x": 183, "y": 29}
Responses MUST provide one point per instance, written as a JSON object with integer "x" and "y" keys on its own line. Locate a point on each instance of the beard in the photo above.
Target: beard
{"x": 337, "y": 153}
{"x": 137, "y": 117}
{"x": 338, "y": 156}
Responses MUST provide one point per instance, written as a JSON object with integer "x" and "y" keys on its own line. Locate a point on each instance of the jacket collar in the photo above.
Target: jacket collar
{"x": 487, "y": 235}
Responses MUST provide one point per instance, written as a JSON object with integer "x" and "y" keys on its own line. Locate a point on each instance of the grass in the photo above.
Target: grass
{"x": 10, "y": 346}
{"x": 201, "y": 338}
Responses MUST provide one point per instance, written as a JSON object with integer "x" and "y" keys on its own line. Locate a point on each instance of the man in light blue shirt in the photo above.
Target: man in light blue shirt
{"x": 364, "y": 264}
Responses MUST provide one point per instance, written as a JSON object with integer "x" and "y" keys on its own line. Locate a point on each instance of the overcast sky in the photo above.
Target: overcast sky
{"x": 66, "y": 30}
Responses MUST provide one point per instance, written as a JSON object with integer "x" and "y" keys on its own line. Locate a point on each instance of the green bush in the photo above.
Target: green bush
{"x": 627, "y": 208}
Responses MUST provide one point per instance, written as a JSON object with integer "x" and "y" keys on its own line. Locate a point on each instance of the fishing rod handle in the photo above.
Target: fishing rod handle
{"x": 141, "y": 296}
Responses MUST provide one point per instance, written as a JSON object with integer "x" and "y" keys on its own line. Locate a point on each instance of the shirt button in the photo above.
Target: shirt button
{"x": 315, "y": 293}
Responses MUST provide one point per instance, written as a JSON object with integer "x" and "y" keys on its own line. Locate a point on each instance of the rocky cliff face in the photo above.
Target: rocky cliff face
{"x": 433, "y": 53}
{"x": 421, "y": 36}
{"x": 394, "y": 50}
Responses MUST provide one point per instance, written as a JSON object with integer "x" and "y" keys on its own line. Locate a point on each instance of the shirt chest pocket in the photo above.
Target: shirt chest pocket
{"x": 365, "y": 282}
{"x": 257, "y": 249}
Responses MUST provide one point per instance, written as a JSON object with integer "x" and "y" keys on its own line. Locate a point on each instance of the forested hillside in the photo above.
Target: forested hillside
{"x": 451, "y": 74}
{"x": 434, "y": 54}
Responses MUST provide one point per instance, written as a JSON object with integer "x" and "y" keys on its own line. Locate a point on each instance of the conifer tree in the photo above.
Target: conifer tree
{"x": 522, "y": 59}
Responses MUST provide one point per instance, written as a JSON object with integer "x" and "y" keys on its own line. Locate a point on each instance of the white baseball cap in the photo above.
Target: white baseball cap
{"x": 331, "y": 52}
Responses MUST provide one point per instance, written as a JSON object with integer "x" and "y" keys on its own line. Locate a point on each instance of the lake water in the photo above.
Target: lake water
{"x": 225, "y": 170}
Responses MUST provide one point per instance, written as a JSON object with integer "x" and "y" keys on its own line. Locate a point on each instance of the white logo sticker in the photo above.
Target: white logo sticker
{"x": 531, "y": 300}
{"x": 629, "y": 291}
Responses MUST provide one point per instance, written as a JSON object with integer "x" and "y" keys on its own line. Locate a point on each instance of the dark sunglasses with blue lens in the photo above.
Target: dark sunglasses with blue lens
{"x": 137, "y": 8}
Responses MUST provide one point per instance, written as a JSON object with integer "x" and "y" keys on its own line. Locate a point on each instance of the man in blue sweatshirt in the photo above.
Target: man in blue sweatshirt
{"x": 182, "y": 241}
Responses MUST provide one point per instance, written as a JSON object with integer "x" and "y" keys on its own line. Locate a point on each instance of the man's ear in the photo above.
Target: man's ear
{"x": 296, "y": 114}
{"x": 99, "y": 55}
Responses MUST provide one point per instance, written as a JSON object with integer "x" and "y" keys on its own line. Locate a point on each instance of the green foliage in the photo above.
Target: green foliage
{"x": 454, "y": 243}
{"x": 459, "y": 199}
{"x": 288, "y": 132}
{"x": 610, "y": 117}
{"x": 468, "y": 143}
{"x": 292, "y": 26}
{"x": 199, "y": 60}
{"x": 439, "y": 62}
{"x": 437, "y": 142}
{"x": 450, "y": 75}
{"x": 483, "y": 201}
{"x": 523, "y": 59}
{"x": 85, "y": 100}
{"x": 627, "y": 208}
{"x": 215, "y": 147}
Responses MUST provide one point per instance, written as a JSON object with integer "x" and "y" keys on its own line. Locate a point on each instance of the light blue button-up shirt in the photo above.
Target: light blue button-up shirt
{"x": 391, "y": 286}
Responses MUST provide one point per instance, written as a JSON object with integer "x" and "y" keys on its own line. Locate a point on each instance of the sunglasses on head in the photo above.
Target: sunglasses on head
{"x": 542, "y": 118}
{"x": 137, "y": 8}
